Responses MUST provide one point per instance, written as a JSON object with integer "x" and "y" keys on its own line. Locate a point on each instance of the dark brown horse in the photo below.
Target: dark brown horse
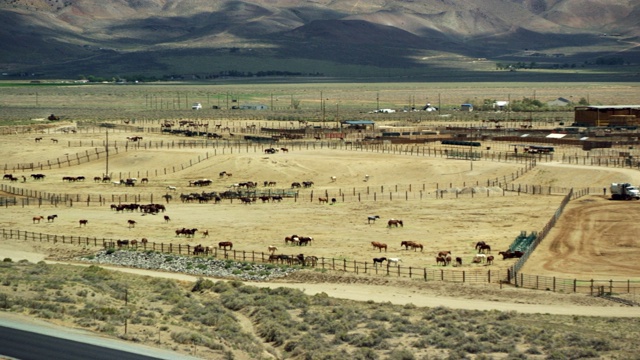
{"x": 83, "y": 222}
{"x": 225, "y": 244}
{"x": 484, "y": 248}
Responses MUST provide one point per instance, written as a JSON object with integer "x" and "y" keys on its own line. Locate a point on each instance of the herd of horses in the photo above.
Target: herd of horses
{"x": 445, "y": 258}
{"x": 298, "y": 240}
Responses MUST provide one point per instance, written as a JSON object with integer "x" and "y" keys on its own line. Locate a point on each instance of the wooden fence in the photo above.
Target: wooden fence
{"x": 474, "y": 276}
{"x": 451, "y": 275}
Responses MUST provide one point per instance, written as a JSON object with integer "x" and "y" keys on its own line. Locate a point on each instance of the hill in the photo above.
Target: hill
{"x": 203, "y": 39}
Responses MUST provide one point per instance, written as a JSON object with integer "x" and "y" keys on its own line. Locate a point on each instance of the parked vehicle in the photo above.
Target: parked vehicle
{"x": 624, "y": 191}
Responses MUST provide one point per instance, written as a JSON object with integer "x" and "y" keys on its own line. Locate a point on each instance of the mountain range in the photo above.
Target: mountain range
{"x": 203, "y": 39}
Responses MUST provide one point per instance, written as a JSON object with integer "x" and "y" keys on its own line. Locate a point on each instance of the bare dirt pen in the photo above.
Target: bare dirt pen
{"x": 399, "y": 186}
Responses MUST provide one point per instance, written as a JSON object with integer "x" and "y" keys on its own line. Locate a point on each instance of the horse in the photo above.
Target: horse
{"x": 417, "y": 245}
{"x": 484, "y": 248}
{"x": 304, "y": 240}
{"x": 272, "y": 248}
{"x": 480, "y": 258}
{"x": 510, "y": 254}
{"x": 479, "y": 244}
{"x": 377, "y": 261}
{"x": 225, "y": 244}
{"x": 333, "y": 179}
{"x": 50, "y": 218}
{"x": 167, "y": 218}
{"x": 172, "y": 188}
{"x": 406, "y": 244}
{"x": 395, "y": 222}
{"x": 441, "y": 260}
{"x": 132, "y": 223}
{"x": 372, "y": 218}
{"x": 448, "y": 259}
{"x": 198, "y": 249}
{"x": 394, "y": 261}
{"x": 38, "y": 139}
{"x": 379, "y": 246}
{"x": 444, "y": 253}
{"x": 284, "y": 149}
{"x": 293, "y": 238}
{"x": 83, "y": 222}
{"x": 458, "y": 261}
{"x": 144, "y": 241}
{"x": 489, "y": 259}
{"x": 323, "y": 199}
{"x": 122, "y": 243}
{"x": 37, "y": 218}
{"x": 205, "y": 233}
{"x": 144, "y": 181}
{"x": 311, "y": 260}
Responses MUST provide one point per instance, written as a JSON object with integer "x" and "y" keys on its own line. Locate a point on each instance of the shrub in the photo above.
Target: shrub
{"x": 7, "y": 260}
{"x": 202, "y": 285}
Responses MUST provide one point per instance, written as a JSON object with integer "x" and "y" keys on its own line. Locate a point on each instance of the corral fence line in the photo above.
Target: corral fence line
{"x": 551, "y": 283}
{"x": 474, "y": 276}
{"x": 25, "y": 197}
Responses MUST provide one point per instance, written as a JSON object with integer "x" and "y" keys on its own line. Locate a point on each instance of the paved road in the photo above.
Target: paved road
{"x": 28, "y": 339}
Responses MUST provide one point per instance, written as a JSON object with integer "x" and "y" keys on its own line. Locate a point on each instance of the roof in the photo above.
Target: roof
{"x": 358, "y": 122}
{"x": 602, "y": 107}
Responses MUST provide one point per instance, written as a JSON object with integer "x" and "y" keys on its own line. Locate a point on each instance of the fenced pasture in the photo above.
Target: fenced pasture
{"x": 449, "y": 196}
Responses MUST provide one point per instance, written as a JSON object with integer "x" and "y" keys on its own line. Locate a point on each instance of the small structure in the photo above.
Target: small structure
{"x": 466, "y": 107}
{"x": 254, "y": 107}
{"x": 559, "y": 102}
{"x": 500, "y": 105}
{"x": 358, "y": 124}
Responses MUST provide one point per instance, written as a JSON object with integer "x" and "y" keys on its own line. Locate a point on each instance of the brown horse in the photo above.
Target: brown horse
{"x": 323, "y": 199}
{"x": 417, "y": 245}
{"x": 379, "y": 246}
{"x": 484, "y": 248}
{"x": 406, "y": 244}
{"x": 37, "y": 218}
{"x": 225, "y": 244}
{"x": 132, "y": 223}
{"x": 83, "y": 222}
{"x": 395, "y": 222}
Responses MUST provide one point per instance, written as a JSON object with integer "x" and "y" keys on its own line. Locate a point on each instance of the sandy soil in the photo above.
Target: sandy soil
{"x": 592, "y": 239}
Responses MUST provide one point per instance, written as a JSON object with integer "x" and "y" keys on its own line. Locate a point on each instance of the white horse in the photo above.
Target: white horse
{"x": 394, "y": 261}
{"x": 116, "y": 182}
{"x": 366, "y": 178}
{"x": 480, "y": 258}
{"x": 172, "y": 188}
{"x": 333, "y": 179}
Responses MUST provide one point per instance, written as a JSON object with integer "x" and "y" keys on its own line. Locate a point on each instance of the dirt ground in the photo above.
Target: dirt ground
{"x": 593, "y": 239}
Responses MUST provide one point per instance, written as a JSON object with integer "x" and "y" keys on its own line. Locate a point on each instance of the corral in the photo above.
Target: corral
{"x": 445, "y": 203}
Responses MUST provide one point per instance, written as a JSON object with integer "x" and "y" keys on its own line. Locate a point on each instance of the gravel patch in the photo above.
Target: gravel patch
{"x": 190, "y": 265}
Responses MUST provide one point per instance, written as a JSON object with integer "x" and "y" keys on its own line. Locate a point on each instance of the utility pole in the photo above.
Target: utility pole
{"x": 107, "y": 151}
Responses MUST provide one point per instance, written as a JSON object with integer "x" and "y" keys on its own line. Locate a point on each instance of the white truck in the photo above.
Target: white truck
{"x": 624, "y": 191}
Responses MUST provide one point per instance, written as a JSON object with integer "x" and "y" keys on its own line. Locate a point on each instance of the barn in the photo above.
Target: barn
{"x": 607, "y": 115}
